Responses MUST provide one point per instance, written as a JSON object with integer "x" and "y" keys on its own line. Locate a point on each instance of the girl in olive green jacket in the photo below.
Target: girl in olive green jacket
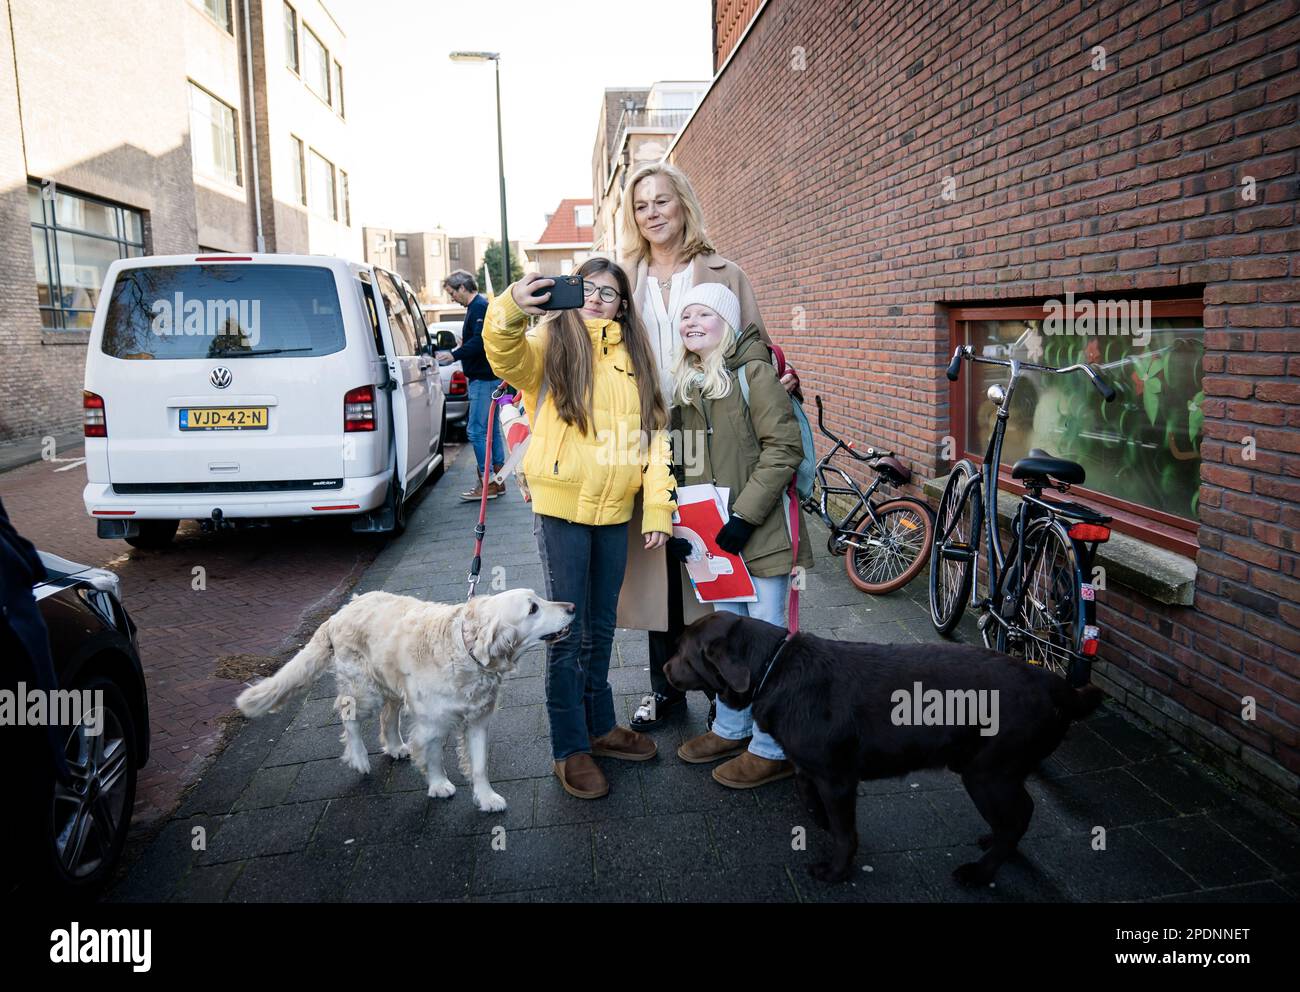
{"x": 753, "y": 449}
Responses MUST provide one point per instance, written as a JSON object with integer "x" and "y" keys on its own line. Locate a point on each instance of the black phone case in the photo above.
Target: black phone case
{"x": 566, "y": 294}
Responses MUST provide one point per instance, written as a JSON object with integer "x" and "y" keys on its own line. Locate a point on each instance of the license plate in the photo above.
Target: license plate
{"x": 224, "y": 418}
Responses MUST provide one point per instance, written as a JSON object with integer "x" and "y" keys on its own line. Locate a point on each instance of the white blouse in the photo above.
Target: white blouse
{"x": 661, "y": 322}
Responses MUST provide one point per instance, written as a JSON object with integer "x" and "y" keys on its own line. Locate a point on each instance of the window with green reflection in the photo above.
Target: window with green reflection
{"x": 1142, "y": 449}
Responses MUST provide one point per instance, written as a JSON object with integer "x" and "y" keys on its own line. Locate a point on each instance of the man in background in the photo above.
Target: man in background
{"x": 462, "y": 287}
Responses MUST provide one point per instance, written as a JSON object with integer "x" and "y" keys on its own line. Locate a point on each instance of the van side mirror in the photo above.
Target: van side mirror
{"x": 445, "y": 340}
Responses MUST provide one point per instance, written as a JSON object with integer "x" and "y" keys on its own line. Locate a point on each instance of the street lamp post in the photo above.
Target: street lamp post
{"x": 495, "y": 57}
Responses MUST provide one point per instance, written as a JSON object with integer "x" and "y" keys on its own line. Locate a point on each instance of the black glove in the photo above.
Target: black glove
{"x": 678, "y": 548}
{"x": 735, "y": 534}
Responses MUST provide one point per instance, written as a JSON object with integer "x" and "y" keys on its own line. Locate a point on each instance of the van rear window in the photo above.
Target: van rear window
{"x": 223, "y": 311}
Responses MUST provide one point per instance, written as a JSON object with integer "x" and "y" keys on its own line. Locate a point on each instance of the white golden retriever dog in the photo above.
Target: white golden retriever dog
{"x": 444, "y": 662}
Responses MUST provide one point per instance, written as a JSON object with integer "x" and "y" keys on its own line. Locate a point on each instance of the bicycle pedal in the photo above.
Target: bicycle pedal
{"x": 957, "y": 552}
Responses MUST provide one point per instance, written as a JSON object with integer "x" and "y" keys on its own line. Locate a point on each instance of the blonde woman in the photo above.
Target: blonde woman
{"x": 590, "y": 382}
{"x": 667, "y": 250}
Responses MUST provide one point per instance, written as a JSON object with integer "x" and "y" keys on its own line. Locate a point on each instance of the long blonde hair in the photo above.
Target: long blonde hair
{"x": 707, "y": 377}
{"x": 634, "y": 244}
{"x": 569, "y": 366}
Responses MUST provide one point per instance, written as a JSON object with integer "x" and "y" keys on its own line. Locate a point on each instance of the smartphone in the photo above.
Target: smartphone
{"x": 566, "y": 294}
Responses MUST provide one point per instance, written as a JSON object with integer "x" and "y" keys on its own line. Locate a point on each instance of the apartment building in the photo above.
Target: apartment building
{"x": 419, "y": 257}
{"x": 636, "y": 127}
{"x": 143, "y": 143}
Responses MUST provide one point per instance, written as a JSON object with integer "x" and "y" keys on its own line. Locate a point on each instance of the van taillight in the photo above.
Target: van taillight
{"x": 96, "y": 425}
{"x": 359, "y": 409}
{"x": 459, "y": 385}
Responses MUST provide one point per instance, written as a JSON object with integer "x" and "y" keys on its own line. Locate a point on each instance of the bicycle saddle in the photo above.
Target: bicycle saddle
{"x": 1038, "y": 464}
{"x": 893, "y": 470}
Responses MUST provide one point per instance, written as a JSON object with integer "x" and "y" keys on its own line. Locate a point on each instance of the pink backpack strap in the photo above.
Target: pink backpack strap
{"x": 793, "y": 616}
{"x": 793, "y": 623}
{"x": 779, "y": 355}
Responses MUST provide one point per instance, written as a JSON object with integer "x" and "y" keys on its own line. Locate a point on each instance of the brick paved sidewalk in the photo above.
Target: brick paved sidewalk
{"x": 285, "y": 821}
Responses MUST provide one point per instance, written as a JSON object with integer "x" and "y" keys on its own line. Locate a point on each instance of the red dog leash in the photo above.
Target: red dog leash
{"x": 481, "y": 527}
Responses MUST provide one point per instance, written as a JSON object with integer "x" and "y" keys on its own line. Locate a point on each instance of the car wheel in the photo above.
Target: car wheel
{"x": 154, "y": 534}
{"x": 88, "y": 818}
{"x": 398, "y": 505}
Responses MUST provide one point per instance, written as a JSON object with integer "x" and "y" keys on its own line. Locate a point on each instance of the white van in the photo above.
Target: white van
{"x": 243, "y": 387}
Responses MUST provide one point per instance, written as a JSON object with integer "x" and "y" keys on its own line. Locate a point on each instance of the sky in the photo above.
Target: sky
{"x": 423, "y": 128}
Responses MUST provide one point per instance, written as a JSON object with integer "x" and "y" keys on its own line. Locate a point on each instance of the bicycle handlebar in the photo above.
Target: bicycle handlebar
{"x": 871, "y": 453}
{"x": 964, "y": 350}
{"x": 954, "y": 367}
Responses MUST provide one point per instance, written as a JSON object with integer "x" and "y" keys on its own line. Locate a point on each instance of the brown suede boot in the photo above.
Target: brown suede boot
{"x": 624, "y": 744}
{"x": 710, "y": 747}
{"x": 749, "y": 771}
{"x": 581, "y": 776}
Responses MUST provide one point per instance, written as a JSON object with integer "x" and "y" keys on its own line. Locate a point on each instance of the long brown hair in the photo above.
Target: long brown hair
{"x": 569, "y": 365}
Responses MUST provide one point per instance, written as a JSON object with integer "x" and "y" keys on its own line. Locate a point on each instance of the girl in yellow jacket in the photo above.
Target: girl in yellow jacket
{"x": 599, "y": 435}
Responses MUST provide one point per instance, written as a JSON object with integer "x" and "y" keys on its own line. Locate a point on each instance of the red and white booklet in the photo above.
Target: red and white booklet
{"x": 716, "y": 575}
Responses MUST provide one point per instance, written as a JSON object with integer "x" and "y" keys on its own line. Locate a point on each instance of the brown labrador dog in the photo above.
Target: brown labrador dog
{"x": 846, "y": 712}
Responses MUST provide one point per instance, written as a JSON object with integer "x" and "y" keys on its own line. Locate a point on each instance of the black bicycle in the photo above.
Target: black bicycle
{"x": 1040, "y": 604}
{"x": 884, "y": 543}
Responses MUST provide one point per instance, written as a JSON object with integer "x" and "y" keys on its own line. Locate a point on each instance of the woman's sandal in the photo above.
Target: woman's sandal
{"x": 648, "y": 715}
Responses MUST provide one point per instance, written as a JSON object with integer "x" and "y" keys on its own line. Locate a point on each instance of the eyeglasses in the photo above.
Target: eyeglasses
{"x": 608, "y": 294}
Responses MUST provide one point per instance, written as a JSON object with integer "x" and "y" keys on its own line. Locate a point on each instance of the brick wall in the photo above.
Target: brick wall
{"x": 819, "y": 157}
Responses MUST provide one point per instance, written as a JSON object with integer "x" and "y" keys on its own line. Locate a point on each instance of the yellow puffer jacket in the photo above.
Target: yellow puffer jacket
{"x": 588, "y": 478}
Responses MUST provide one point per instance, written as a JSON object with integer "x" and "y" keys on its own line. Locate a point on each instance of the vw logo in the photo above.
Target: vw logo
{"x": 220, "y": 377}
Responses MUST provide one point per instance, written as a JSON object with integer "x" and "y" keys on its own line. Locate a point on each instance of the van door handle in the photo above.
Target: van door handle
{"x": 425, "y": 363}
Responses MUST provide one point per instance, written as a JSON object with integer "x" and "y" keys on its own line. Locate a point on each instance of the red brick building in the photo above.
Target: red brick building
{"x": 566, "y": 242}
{"x": 899, "y": 177}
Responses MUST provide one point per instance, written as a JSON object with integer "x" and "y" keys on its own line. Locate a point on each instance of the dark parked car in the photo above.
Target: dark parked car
{"x": 71, "y": 833}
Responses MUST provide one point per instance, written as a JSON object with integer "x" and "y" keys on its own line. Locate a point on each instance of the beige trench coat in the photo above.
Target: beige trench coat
{"x": 643, "y": 601}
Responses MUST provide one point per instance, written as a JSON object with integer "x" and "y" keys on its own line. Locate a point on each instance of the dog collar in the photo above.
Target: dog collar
{"x": 770, "y": 665}
{"x": 460, "y": 626}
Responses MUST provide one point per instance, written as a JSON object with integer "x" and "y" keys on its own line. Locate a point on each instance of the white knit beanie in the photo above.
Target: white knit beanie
{"x": 717, "y": 298}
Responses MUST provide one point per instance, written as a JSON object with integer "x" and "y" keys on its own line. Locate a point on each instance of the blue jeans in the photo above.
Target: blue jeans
{"x": 480, "y": 400}
{"x": 735, "y": 725}
{"x": 582, "y": 564}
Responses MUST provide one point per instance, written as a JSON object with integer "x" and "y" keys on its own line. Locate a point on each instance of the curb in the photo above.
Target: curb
{"x": 19, "y": 453}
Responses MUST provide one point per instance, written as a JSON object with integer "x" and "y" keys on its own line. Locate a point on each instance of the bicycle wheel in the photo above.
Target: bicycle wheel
{"x": 1047, "y": 620}
{"x": 887, "y": 553}
{"x": 952, "y": 553}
